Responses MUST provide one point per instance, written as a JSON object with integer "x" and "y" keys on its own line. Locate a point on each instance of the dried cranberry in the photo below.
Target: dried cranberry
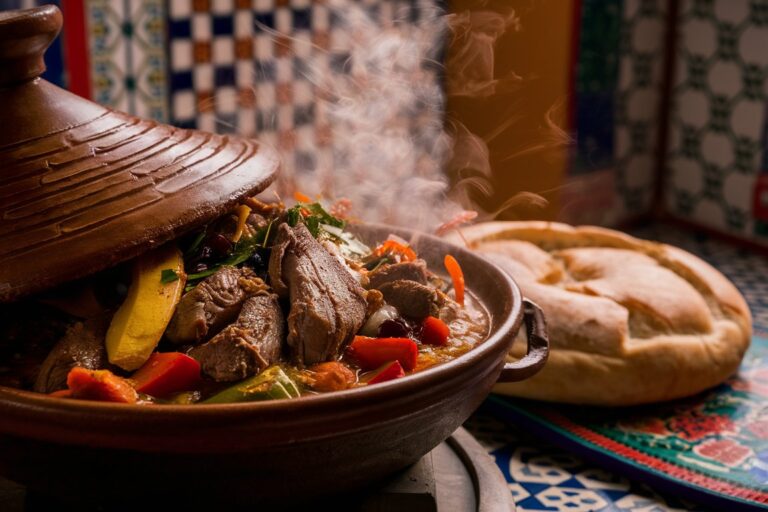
{"x": 397, "y": 328}
{"x": 220, "y": 245}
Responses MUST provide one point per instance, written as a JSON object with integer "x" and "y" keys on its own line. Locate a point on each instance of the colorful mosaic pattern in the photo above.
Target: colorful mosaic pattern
{"x": 127, "y": 55}
{"x": 717, "y": 123}
{"x": 715, "y": 427}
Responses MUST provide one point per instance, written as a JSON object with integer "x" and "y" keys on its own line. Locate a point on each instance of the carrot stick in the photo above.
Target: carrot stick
{"x": 391, "y": 246}
{"x": 457, "y": 276}
{"x": 301, "y": 198}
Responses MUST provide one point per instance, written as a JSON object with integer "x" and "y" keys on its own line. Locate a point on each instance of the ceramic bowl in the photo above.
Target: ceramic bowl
{"x": 276, "y": 452}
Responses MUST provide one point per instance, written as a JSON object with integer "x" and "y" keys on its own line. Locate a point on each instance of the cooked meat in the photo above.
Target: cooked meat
{"x": 247, "y": 346}
{"x": 412, "y": 300}
{"x": 408, "y": 271}
{"x": 214, "y": 303}
{"x": 327, "y": 304}
{"x": 82, "y": 345}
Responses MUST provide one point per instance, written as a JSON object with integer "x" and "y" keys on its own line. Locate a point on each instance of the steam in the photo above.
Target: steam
{"x": 389, "y": 149}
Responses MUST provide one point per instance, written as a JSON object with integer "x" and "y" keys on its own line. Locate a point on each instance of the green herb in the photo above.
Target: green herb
{"x": 196, "y": 242}
{"x": 294, "y": 214}
{"x": 317, "y": 216}
{"x": 168, "y": 275}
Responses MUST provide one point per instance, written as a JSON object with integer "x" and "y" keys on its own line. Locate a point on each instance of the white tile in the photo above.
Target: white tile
{"x": 246, "y": 121}
{"x": 283, "y": 21}
{"x": 243, "y": 24}
{"x": 263, "y": 47}
{"x": 181, "y": 54}
{"x": 203, "y": 77}
{"x": 302, "y": 92}
{"x": 263, "y": 5}
{"x": 285, "y": 117}
{"x": 244, "y": 73}
{"x": 206, "y": 122}
{"x": 226, "y": 100}
{"x": 320, "y": 17}
{"x": 180, "y": 8}
{"x": 265, "y": 94}
{"x": 284, "y": 70}
{"x": 184, "y": 105}
{"x": 222, "y": 6}
{"x": 302, "y": 44}
{"x": 223, "y": 50}
{"x": 201, "y": 27}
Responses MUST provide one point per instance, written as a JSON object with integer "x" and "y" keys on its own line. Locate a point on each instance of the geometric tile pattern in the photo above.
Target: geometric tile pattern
{"x": 638, "y": 95}
{"x": 545, "y": 477}
{"x": 253, "y": 67}
{"x": 127, "y": 56}
{"x": 718, "y": 115}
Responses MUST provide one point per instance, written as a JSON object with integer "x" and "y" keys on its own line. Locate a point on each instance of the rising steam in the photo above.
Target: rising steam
{"x": 391, "y": 150}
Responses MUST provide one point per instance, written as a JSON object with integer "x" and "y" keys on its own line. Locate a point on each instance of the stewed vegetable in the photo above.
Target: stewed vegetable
{"x": 267, "y": 303}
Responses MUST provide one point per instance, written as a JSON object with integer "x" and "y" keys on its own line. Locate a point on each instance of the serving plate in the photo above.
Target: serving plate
{"x": 270, "y": 452}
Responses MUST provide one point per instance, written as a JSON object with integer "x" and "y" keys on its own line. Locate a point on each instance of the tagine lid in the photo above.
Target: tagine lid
{"x": 84, "y": 187}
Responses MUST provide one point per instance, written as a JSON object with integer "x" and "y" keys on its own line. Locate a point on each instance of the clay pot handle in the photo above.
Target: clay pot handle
{"x": 538, "y": 346}
{"x": 24, "y": 37}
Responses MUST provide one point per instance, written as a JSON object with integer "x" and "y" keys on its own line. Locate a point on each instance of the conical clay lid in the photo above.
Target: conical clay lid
{"x": 83, "y": 187}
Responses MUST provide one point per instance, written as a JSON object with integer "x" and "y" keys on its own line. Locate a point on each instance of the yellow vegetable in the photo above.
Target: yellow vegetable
{"x": 140, "y": 322}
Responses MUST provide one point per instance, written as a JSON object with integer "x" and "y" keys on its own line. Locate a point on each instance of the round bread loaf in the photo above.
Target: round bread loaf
{"x": 630, "y": 321}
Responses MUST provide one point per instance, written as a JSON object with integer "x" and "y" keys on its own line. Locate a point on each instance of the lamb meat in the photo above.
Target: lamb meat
{"x": 82, "y": 345}
{"x": 213, "y": 304}
{"x": 328, "y": 305}
{"x": 247, "y": 346}
{"x": 409, "y": 271}
{"x": 412, "y": 300}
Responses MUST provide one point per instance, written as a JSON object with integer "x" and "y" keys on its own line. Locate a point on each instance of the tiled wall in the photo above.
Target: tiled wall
{"x": 248, "y": 66}
{"x": 717, "y": 124}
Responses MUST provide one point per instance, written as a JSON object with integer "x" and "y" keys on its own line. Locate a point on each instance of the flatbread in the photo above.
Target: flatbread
{"x": 630, "y": 321}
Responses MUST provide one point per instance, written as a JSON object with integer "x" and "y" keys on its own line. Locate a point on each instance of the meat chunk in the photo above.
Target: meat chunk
{"x": 214, "y": 303}
{"x": 247, "y": 346}
{"x": 412, "y": 300}
{"x": 82, "y": 345}
{"x": 408, "y": 271}
{"x": 328, "y": 305}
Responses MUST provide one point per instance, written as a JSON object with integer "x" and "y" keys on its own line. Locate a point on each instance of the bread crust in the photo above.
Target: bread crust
{"x": 631, "y": 321}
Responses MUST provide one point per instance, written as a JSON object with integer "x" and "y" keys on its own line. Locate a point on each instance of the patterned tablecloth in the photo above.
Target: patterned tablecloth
{"x": 545, "y": 476}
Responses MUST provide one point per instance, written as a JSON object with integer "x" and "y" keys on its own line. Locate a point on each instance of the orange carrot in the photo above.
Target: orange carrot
{"x": 102, "y": 385}
{"x": 332, "y": 376}
{"x": 391, "y": 246}
{"x": 457, "y": 276}
{"x": 243, "y": 212}
{"x": 301, "y": 198}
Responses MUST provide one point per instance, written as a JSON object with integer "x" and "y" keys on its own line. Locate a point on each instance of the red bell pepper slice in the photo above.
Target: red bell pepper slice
{"x": 370, "y": 353}
{"x": 102, "y": 385}
{"x": 166, "y": 373}
{"x": 434, "y": 332}
{"x": 390, "y": 371}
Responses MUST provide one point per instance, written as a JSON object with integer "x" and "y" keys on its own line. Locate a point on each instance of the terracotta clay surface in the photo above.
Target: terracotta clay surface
{"x": 84, "y": 187}
{"x": 251, "y": 453}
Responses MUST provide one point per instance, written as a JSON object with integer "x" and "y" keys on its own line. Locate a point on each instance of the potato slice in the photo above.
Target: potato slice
{"x": 140, "y": 322}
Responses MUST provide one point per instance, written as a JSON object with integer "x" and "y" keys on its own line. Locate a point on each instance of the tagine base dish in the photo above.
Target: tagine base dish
{"x": 457, "y": 475}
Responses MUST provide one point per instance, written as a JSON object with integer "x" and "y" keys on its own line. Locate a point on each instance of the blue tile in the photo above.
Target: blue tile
{"x": 303, "y": 114}
{"x": 264, "y": 71}
{"x": 178, "y": 29}
{"x": 181, "y": 80}
{"x": 223, "y": 26}
{"x": 264, "y": 18}
{"x": 266, "y": 120}
{"x": 341, "y": 63}
{"x": 302, "y": 19}
{"x": 594, "y": 128}
{"x": 223, "y": 76}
